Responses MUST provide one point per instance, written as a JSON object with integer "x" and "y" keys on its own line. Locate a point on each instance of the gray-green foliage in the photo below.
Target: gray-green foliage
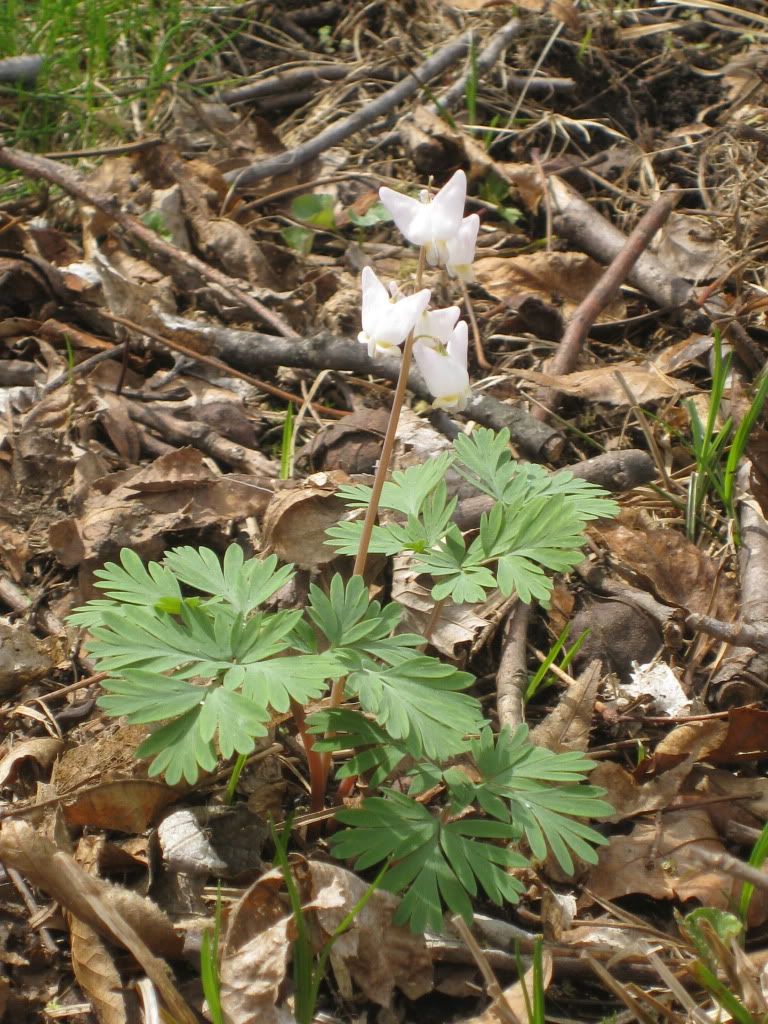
{"x": 535, "y": 527}
{"x": 192, "y": 651}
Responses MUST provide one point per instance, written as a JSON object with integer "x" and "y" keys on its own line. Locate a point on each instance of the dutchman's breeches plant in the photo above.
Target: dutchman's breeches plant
{"x": 194, "y": 650}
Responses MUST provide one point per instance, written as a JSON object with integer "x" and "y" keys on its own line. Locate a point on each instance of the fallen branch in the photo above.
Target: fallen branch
{"x": 361, "y": 118}
{"x": 487, "y": 57}
{"x": 42, "y": 169}
{"x": 567, "y": 355}
{"x": 249, "y": 350}
{"x": 740, "y": 634}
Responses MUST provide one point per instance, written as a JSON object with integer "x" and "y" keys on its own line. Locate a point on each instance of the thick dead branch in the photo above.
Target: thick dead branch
{"x": 443, "y": 59}
{"x": 567, "y": 355}
{"x": 738, "y": 680}
{"x": 574, "y": 219}
{"x": 69, "y": 181}
{"x": 249, "y": 350}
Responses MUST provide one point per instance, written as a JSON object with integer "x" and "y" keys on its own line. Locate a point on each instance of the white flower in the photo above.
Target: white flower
{"x": 435, "y": 326}
{"x": 445, "y": 369}
{"x": 461, "y": 249}
{"x": 387, "y": 322}
{"x": 429, "y": 223}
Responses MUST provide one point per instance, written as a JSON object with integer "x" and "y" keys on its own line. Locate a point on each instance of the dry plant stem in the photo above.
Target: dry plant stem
{"x": 500, "y": 1005}
{"x": 434, "y": 617}
{"x": 610, "y": 282}
{"x": 361, "y": 118}
{"x": 512, "y": 674}
{"x": 69, "y": 181}
{"x": 482, "y": 362}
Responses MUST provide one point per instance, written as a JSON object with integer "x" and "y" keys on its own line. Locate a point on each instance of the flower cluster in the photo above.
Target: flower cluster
{"x": 440, "y": 338}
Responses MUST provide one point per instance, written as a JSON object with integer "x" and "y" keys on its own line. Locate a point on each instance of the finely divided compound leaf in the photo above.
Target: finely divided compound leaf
{"x": 407, "y": 489}
{"x": 179, "y": 749}
{"x": 417, "y": 703}
{"x": 376, "y": 756}
{"x": 513, "y": 769}
{"x": 242, "y": 584}
{"x": 235, "y": 718}
{"x": 149, "y": 697}
{"x": 435, "y": 863}
{"x": 130, "y": 583}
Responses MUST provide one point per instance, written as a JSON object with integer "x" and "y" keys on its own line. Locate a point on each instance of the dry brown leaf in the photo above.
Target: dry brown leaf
{"x": 672, "y": 566}
{"x": 297, "y": 518}
{"x": 43, "y": 751}
{"x": 126, "y": 805}
{"x": 136, "y": 508}
{"x": 568, "y": 726}
{"x": 600, "y": 384}
{"x": 691, "y": 248}
{"x": 656, "y": 859}
{"x": 96, "y": 974}
{"x": 561, "y": 277}
{"x": 379, "y": 956}
{"x": 255, "y": 952}
{"x": 97, "y": 903}
{"x": 23, "y": 658}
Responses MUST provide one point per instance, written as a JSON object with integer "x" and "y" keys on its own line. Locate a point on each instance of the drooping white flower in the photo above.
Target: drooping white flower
{"x": 387, "y": 322}
{"x": 461, "y": 249}
{"x": 431, "y": 223}
{"x": 445, "y": 369}
{"x": 435, "y": 326}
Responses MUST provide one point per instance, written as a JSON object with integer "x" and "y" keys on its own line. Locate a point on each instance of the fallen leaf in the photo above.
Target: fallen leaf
{"x": 600, "y": 384}
{"x": 379, "y": 956}
{"x": 692, "y": 248}
{"x": 255, "y": 952}
{"x": 564, "y": 278}
{"x": 126, "y": 805}
{"x": 96, "y": 974}
{"x": 43, "y": 751}
{"x": 297, "y": 518}
{"x": 23, "y": 658}
{"x": 656, "y": 859}
{"x": 672, "y": 566}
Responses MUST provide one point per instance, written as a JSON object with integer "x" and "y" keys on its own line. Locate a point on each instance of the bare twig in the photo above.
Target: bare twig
{"x": 728, "y": 865}
{"x": 500, "y": 1006}
{"x": 740, "y": 634}
{"x": 362, "y": 117}
{"x": 69, "y": 181}
{"x": 610, "y": 282}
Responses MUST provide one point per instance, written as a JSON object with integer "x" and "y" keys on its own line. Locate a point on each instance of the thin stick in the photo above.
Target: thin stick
{"x": 73, "y": 184}
{"x": 512, "y": 675}
{"x": 495, "y": 991}
{"x": 566, "y": 357}
{"x": 645, "y": 426}
{"x": 482, "y": 362}
{"x": 361, "y": 118}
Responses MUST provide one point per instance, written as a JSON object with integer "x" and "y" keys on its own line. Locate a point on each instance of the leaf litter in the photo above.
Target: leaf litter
{"x": 111, "y": 437}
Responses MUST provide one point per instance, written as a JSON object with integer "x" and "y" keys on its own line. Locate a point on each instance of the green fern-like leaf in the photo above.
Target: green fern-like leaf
{"x": 179, "y": 749}
{"x": 244, "y": 585}
{"x": 418, "y": 704}
{"x": 134, "y": 583}
{"x": 435, "y": 863}
{"x": 376, "y": 756}
{"x": 513, "y": 770}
